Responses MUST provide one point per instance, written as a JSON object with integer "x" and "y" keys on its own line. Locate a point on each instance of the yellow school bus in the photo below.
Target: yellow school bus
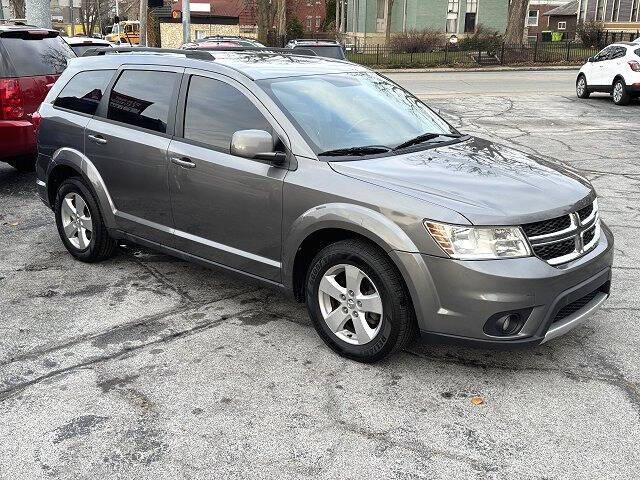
{"x": 125, "y": 33}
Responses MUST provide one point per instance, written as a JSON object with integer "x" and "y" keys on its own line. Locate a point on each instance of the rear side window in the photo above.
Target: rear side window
{"x": 84, "y": 91}
{"x": 142, "y": 98}
{"x": 215, "y": 111}
{"x": 637, "y": 52}
{"x": 328, "y": 51}
{"x": 33, "y": 56}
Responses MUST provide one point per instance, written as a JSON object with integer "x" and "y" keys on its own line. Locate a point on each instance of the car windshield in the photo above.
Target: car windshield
{"x": 351, "y": 110}
{"x": 329, "y": 51}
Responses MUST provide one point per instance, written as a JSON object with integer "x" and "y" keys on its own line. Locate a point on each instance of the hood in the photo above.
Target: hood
{"x": 489, "y": 184}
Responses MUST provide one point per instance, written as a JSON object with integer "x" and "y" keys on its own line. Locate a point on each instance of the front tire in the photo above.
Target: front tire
{"x": 358, "y": 302}
{"x": 620, "y": 94}
{"x": 80, "y": 223}
{"x": 582, "y": 89}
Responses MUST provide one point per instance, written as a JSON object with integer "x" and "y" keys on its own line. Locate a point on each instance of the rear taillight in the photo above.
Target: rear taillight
{"x": 635, "y": 66}
{"x": 11, "y": 101}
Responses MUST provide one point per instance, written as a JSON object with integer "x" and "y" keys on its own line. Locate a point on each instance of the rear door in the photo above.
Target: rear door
{"x": 614, "y": 65}
{"x": 127, "y": 141}
{"x": 227, "y": 209}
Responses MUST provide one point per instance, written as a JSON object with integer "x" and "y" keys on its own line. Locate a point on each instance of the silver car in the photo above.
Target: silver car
{"x": 329, "y": 181}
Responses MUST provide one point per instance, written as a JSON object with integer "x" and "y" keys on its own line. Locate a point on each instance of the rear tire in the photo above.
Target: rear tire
{"x": 620, "y": 94}
{"x": 379, "y": 287}
{"x": 582, "y": 89}
{"x": 80, "y": 223}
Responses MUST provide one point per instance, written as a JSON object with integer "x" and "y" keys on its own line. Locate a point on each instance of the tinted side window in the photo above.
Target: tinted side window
{"x": 84, "y": 91}
{"x": 142, "y": 98}
{"x": 637, "y": 52}
{"x": 603, "y": 55}
{"x": 618, "y": 52}
{"x": 32, "y": 56}
{"x": 215, "y": 111}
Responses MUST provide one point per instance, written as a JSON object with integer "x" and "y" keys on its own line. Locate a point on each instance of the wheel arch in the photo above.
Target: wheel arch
{"x": 68, "y": 162}
{"x": 326, "y": 224}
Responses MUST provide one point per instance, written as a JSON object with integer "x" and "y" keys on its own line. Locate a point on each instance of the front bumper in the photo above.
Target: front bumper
{"x": 454, "y": 299}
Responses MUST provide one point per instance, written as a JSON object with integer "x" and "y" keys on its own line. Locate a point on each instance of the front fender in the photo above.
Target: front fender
{"x": 354, "y": 218}
{"x": 79, "y": 162}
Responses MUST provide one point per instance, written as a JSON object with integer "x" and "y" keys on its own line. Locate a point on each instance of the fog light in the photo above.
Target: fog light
{"x": 509, "y": 323}
{"x": 505, "y": 324}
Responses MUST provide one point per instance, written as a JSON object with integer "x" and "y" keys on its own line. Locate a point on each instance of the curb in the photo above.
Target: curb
{"x": 477, "y": 69}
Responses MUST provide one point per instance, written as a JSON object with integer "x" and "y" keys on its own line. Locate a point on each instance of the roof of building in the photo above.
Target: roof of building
{"x": 566, "y": 10}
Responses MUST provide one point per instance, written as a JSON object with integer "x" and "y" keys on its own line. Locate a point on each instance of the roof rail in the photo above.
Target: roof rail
{"x": 199, "y": 54}
{"x": 240, "y": 48}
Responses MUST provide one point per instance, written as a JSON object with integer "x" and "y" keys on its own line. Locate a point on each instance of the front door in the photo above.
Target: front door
{"x": 127, "y": 141}
{"x": 227, "y": 209}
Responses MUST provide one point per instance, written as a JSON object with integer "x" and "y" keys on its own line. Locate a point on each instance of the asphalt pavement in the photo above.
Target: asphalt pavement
{"x": 145, "y": 366}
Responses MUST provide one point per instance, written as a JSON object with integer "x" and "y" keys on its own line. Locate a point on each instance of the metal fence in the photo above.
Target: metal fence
{"x": 567, "y": 52}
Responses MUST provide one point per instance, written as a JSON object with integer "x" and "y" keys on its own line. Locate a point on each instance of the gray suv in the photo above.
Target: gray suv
{"x": 328, "y": 180}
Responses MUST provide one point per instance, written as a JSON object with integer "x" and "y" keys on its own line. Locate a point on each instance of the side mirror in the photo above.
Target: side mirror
{"x": 590, "y": 60}
{"x": 256, "y": 144}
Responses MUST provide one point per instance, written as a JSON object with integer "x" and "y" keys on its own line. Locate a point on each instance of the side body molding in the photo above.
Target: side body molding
{"x": 355, "y": 218}
{"x": 78, "y": 161}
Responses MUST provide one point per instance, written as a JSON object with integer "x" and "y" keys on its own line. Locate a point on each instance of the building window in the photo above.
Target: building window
{"x": 562, "y": 25}
{"x": 600, "y": 12}
{"x": 472, "y": 6}
{"x": 532, "y": 21}
{"x": 309, "y": 23}
{"x": 616, "y": 10}
{"x": 453, "y": 7}
{"x": 469, "y": 23}
{"x": 317, "y": 22}
{"x": 200, "y": 34}
{"x": 634, "y": 10}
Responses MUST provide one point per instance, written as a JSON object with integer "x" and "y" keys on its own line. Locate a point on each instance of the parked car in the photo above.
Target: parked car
{"x": 322, "y": 48}
{"x": 615, "y": 69}
{"x": 243, "y": 41}
{"x": 79, "y": 45}
{"x": 211, "y": 45}
{"x": 329, "y": 181}
{"x": 31, "y": 60}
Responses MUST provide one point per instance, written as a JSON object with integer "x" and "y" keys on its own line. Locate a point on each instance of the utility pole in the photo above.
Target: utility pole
{"x": 143, "y": 23}
{"x": 38, "y": 12}
{"x": 282, "y": 20}
{"x": 186, "y": 21}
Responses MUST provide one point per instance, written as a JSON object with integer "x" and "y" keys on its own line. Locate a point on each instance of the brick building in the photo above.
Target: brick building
{"x": 542, "y": 25}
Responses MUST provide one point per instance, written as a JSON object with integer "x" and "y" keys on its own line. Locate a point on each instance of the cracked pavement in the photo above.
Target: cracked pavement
{"x": 145, "y": 366}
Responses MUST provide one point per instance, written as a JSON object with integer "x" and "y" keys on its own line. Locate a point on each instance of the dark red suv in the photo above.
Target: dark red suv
{"x": 31, "y": 59}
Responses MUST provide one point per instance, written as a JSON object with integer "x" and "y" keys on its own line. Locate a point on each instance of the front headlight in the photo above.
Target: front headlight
{"x": 479, "y": 243}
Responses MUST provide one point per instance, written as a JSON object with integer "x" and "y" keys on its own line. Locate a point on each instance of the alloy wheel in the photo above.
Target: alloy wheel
{"x": 76, "y": 220}
{"x": 618, "y": 92}
{"x": 582, "y": 85}
{"x": 350, "y": 304}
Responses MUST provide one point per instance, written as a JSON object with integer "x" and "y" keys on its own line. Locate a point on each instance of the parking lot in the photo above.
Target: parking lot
{"x": 145, "y": 366}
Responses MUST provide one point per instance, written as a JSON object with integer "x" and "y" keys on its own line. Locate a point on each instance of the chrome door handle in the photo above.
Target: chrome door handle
{"x": 183, "y": 162}
{"x": 97, "y": 139}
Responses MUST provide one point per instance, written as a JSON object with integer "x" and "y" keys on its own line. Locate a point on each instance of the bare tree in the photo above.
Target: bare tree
{"x": 17, "y": 8}
{"x": 264, "y": 11}
{"x": 518, "y": 10}
{"x": 88, "y": 16}
{"x": 387, "y": 33}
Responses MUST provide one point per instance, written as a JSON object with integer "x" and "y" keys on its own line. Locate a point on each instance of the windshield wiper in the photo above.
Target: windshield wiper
{"x": 425, "y": 137}
{"x": 366, "y": 150}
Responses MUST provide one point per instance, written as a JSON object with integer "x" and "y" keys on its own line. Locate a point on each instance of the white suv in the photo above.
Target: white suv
{"x": 616, "y": 70}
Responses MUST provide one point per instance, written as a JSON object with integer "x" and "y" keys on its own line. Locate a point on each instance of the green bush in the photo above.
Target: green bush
{"x": 590, "y": 33}
{"x": 415, "y": 41}
{"x": 482, "y": 39}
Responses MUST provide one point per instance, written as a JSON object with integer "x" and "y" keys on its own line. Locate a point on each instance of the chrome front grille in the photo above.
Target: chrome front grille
{"x": 562, "y": 239}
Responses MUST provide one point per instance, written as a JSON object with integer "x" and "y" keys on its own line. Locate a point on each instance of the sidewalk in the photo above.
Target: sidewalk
{"x": 477, "y": 69}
